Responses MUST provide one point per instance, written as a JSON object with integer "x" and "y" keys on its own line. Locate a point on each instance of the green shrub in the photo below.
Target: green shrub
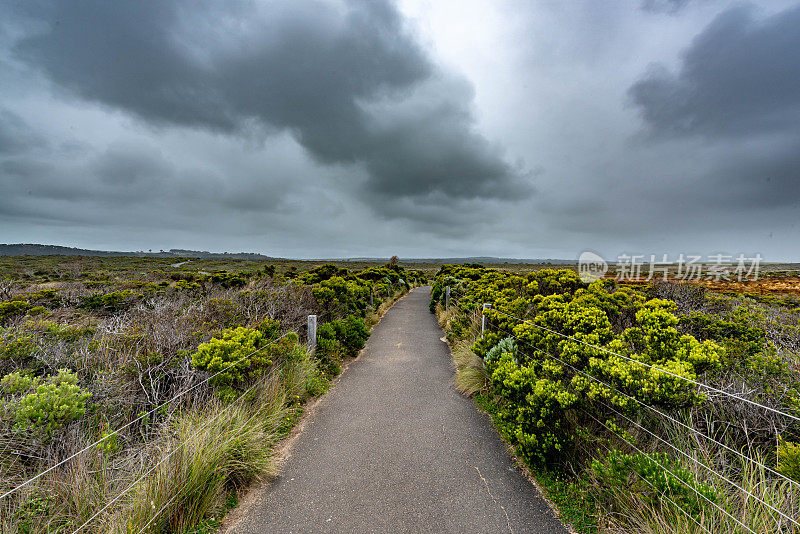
{"x": 19, "y": 382}
{"x": 187, "y": 285}
{"x": 626, "y": 472}
{"x": 111, "y": 302}
{"x": 269, "y": 328}
{"x": 18, "y": 348}
{"x": 52, "y": 405}
{"x": 322, "y": 273}
{"x": 12, "y": 308}
{"x": 352, "y": 333}
{"x": 340, "y": 296}
{"x": 226, "y": 350}
{"x": 229, "y": 280}
{"x": 789, "y": 459}
{"x": 328, "y": 351}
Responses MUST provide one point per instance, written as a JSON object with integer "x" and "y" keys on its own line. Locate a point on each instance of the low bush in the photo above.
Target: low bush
{"x": 52, "y": 404}
{"x": 339, "y": 339}
{"x": 18, "y": 348}
{"x": 647, "y": 475}
{"x": 12, "y": 308}
{"x": 234, "y": 353}
{"x": 789, "y": 459}
{"x": 111, "y": 302}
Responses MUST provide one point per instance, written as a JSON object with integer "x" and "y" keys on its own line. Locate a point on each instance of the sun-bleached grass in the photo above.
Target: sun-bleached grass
{"x": 471, "y": 376}
{"x": 209, "y": 454}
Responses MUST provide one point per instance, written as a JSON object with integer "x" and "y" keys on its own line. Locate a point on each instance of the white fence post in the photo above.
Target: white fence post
{"x": 312, "y": 332}
{"x": 486, "y": 306}
{"x": 447, "y": 299}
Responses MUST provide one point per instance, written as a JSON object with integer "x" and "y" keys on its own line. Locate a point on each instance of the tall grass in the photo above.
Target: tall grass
{"x": 199, "y": 458}
{"x": 206, "y": 461}
{"x": 632, "y": 512}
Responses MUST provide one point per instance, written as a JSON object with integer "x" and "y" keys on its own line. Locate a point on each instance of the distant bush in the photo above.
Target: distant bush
{"x": 229, "y": 280}
{"x": 51, "y": 405}
{"x": 111, "y": 302}
{"x": 12, "y": 308}
{"x": 219, "y": 312}
{"x": 339, "y": 296}
{"x": 322, "y": 273}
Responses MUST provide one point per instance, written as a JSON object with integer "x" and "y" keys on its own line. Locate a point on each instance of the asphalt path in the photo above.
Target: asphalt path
{"x": 393, "y": 447}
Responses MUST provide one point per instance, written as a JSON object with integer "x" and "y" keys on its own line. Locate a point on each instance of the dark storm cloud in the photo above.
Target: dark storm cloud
{"x": 739, "y": 77}
{"x": 737, "y": 89}
{"x": 320, "y": 71}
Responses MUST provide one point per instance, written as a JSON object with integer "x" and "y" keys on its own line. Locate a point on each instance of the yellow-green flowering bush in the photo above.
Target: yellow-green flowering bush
{"x": 12, "y": 308}
{"x": 51, "y": 405}
{"x": 555, "y": 317}
{"x": 233, "y": 353}
{"x": 531, "y": 402}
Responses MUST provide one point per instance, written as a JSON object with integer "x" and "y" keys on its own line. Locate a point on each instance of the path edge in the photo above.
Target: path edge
{"x": 282, "y": 450}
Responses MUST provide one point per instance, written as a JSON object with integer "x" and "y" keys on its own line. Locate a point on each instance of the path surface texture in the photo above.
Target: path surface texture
{"x": 394, "y": 448}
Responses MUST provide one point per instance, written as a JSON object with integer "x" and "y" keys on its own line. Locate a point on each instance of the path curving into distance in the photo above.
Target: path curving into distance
{"x": 395, "y": 448}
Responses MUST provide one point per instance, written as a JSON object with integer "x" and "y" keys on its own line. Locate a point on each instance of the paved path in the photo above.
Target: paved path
{"x": 394, "y": 448}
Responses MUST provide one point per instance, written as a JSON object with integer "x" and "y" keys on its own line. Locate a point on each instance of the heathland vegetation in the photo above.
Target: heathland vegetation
{"x": 649, "y": 408}
{"x": 140, "y": 394}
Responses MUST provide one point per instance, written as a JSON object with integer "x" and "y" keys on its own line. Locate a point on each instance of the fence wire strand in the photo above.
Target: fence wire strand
{"x": 141, "y": 416}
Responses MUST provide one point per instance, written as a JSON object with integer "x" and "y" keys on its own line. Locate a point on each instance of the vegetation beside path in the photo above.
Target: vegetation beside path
{"x": 649, "y": 408}
{"x": 160, "y": 394}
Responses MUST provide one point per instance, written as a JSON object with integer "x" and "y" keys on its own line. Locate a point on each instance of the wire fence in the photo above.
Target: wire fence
{"x": 783, "y": 519}
{"x": 174, "y": 450}
{"x": 141, "y": 417}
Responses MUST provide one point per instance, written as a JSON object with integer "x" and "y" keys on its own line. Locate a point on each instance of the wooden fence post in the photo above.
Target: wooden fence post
{"x": 312, "y": 332}
{"x": 486, "y": 306}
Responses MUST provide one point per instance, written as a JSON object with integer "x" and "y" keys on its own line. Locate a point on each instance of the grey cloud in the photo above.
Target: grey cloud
{"x": 15, "y": 135}
{"x": 738, "y": 77}
{"x": 767, "y": 177}
{"x": 735, "y": 105}
{"x": 131, "y": 166}
{"x": 664, "y": 6}
{"x": 307, "y": 67}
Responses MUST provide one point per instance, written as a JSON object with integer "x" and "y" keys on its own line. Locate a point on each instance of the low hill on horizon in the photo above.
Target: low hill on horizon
{"x": 34, "y": 249}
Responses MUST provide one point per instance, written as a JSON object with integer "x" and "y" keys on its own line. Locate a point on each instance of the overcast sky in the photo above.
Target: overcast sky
{"x": 425, "y": 128}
